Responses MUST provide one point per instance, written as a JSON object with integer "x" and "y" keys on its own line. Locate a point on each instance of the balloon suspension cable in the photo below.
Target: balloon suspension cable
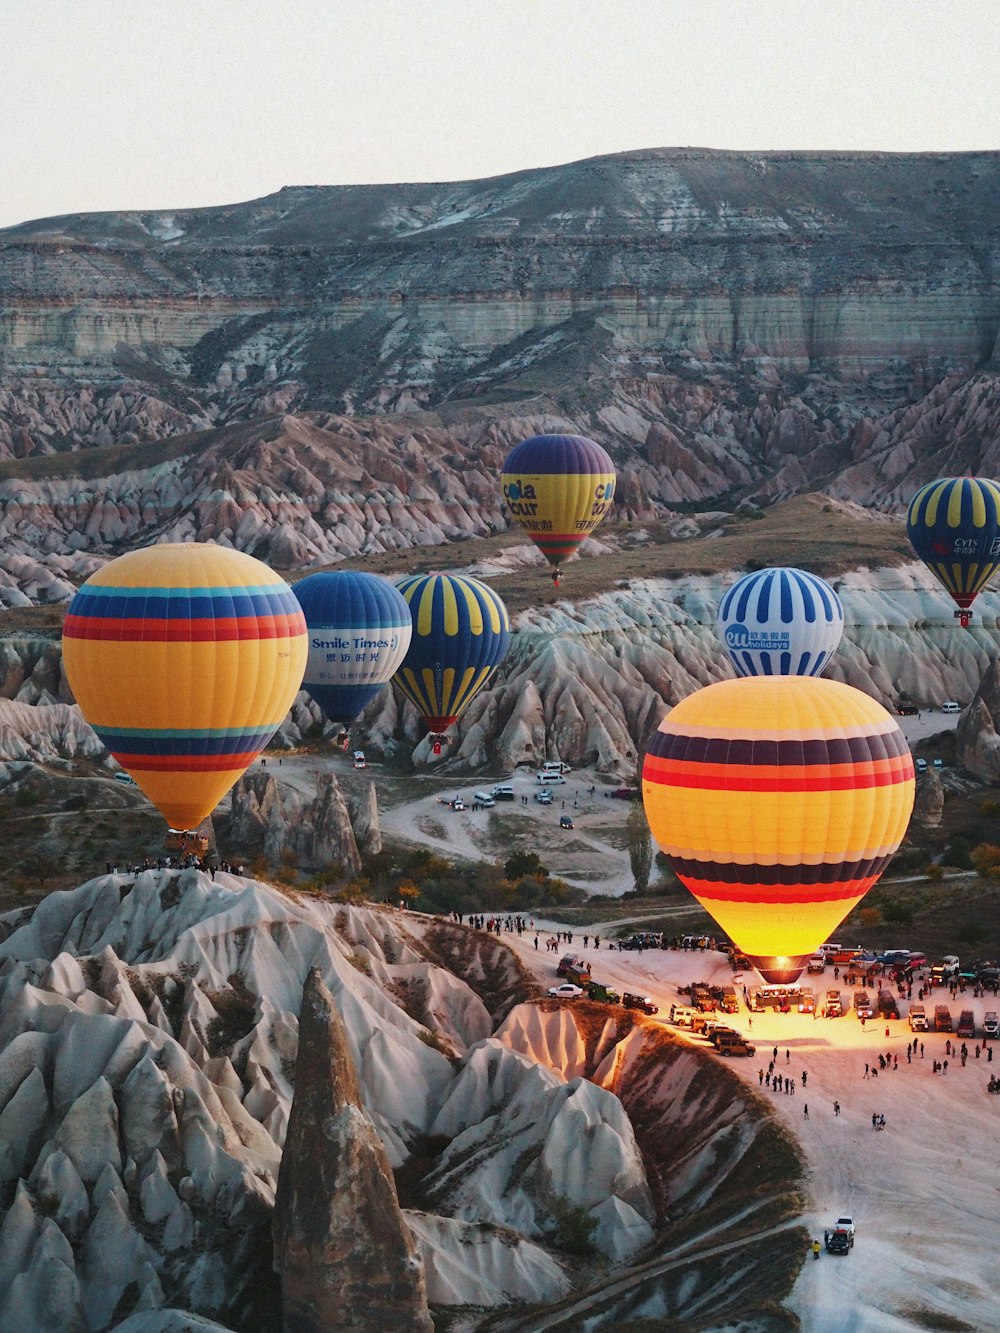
{"x": 963, "y": 618}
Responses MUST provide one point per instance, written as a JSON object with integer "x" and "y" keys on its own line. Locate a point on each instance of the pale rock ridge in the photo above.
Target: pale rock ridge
{"x": 343, "y": 1252}
{"x": 149, "y": 1036}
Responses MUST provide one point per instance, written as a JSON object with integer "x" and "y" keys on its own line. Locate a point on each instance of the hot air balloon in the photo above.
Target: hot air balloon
{"x": 954, "y": 527}
{"x": 461, "y": 632}
{"x": 184, "y": 658}
{"x": 359, "y": 631}
{"x": 780, "y": 622}
{"x": 558, "y": 488}
{"x": 779, "y": 800}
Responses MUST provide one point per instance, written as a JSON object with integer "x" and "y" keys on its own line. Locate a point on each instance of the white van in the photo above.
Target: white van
{"x": 550, "y": 777}
{"x": 125, "y": 778}
{"x": 951, "y": 706}
{"x": 484, "y": 799}
{"x": 503, "y": 791}
{"x": 555, "y": 766}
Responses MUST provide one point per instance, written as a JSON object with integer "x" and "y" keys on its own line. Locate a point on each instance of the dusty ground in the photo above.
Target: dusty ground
{"x": 924, "y": 1192}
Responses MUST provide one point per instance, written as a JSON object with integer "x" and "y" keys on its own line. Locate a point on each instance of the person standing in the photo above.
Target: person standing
{"x": 836, "y": 1108}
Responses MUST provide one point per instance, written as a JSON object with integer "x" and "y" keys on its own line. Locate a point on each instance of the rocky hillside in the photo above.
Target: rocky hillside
{"x": 149, "y": 1042}
{"x": 726, "y": 323}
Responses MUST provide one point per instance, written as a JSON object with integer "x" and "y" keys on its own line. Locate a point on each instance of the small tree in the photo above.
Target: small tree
{"x": 524, "y": 863}
{"x": 986, "y": 857}
{"x": 408, "y": 893}
{"x": 640, "y": 847}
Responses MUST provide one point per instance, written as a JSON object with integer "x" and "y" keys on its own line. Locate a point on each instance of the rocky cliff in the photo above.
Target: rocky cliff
{"x": 722, "y": 321}
{"x": 151, "y": 1037}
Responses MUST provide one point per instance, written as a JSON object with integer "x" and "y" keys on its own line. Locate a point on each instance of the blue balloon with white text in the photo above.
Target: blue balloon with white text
{"x": 359, "y": 632}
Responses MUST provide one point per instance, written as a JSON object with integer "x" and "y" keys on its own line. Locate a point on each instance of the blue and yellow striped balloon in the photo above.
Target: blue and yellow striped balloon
{"x": 461, "y": 632}
{"x": 954, "y": 527}
{"x": 184, "y": 658}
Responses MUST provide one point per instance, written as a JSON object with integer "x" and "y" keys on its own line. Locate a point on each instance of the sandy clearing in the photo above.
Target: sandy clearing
{"x": 925, "y": 1193}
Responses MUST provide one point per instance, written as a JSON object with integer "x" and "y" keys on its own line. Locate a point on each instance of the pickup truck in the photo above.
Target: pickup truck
{"x": 834, "y": 1004}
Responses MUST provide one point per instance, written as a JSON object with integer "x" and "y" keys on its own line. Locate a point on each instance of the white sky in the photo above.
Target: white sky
{"x": 117, "y": 104}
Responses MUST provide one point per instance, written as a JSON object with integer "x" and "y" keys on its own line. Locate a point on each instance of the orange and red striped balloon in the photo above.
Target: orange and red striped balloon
{"x": 184, "y": 658}
{"x": 779, "y": 801}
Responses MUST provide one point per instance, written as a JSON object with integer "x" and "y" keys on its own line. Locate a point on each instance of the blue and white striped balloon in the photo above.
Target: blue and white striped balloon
{"x": 780, "y": 622}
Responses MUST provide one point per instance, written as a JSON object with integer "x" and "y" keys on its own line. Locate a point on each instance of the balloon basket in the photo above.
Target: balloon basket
{"x": 963, "y": 618}
{"x": 437, "y": 745}
{"x": 777, "y": 970}
{"x": 186, "y": 842}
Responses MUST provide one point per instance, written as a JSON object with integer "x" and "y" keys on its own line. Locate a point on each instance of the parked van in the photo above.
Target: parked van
{"x": 683, "y": 1015}
{"x": 918, "y": 1018}
{"x": 966, "y": 1024}
{"x": 887, "y": 1006}
{"x": 125, "y": 778}
{"x": 942, "y": 1018}
{"x": 503, "y": 791}
{"x": 951, "y": 706}
{"x": 555, "y": 766}
{"x": 549, "y": 776}
{"x": 484, "y": 798}
{"x": 817, "y": 963}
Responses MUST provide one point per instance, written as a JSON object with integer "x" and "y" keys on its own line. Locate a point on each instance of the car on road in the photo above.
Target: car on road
{"x": 839, "y": 1241}
{"x": 863, "y": 1005}
{"x": 125, "y": 779}
{"x": 458, "y": 803}
{"x": 543, "y": 797}
{"x": 846, "y": 1224}
{"x": 565, "y": 821}
{"x": 567, "y": 991}
{"x": 920, "y": 765}
{"x": 951, "y": 706}
{"x": 907, "y": 710}
{"x": 966, "y": 1024}
{"x": 359, "y": 759}
{"x": 991, "y": 1025}
{"x": 642, "y": 1002}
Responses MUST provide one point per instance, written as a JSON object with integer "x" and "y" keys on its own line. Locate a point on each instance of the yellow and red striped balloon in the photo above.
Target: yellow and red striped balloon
{"x": 779, "y": 801}
{"x": 185, "y": 658}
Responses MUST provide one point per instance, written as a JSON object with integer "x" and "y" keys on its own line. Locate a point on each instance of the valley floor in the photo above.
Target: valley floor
{"x": 924, "y": 1192}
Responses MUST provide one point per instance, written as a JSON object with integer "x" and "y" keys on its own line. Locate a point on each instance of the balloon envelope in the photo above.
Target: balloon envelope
{"x": 184, "y": 658}
{"x": 558, "y": 488}
{"x": 780, "y": 622}
{"x": 954, "y": 527}
{"x": 461, "y": 632}
{"x": 778, "y": 801}
{"x": 359, "y": 631}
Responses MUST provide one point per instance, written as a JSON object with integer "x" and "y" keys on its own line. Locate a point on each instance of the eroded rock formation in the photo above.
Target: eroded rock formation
{"x": 977, "y": 737}
{"x": 342, "y": 1249}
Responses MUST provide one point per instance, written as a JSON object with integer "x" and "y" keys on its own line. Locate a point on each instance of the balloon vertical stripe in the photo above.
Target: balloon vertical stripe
{"x": 461, "y": 632}
{"x": 779, "y": 622}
